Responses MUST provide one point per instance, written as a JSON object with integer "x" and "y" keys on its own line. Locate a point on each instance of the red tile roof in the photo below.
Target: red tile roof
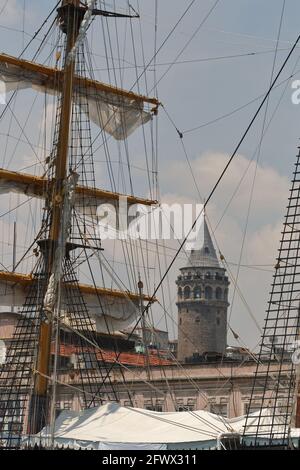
{"x": 126, "y": 358}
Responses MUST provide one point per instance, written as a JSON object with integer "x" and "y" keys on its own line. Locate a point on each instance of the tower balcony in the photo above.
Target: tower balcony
{"x": 202, "y": 278}
{"x": 186, "y": 303}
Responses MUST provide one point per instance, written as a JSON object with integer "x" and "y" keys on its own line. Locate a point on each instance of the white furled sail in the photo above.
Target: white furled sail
{"x": 112, "y": 310}
{"x": 86, "y": 199}
{"x": 116, "y": 111}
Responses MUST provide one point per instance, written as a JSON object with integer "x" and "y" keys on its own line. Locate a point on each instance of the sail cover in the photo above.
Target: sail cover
{"x": 117, "y": 112}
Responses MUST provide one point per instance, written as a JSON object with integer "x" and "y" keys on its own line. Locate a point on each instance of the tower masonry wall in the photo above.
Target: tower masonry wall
{"x": 202, "y": 311}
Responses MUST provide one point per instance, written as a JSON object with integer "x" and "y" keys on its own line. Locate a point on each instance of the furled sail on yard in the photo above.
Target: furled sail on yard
{"x": 117, "y": 112}
{"x": 86, "y": 201}
{"x": 117, "y": 310}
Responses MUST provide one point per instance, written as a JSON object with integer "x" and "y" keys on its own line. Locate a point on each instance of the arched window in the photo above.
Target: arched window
{"x": 225, "y": 294}
{"x": 180, "y": 293}
{"x": 208, "y": 292}
{"x": 197, "y": 292}
{"x": 219, "y": 293}
{"x": 187, "y": 292}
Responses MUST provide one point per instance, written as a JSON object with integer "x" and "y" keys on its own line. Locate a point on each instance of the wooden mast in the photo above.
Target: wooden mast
{"x": 70, "y": 15}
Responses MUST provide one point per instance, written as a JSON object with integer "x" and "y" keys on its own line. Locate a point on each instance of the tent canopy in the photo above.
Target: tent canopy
{"x": 113, "y": 426}
{"x": 114, "y": 423}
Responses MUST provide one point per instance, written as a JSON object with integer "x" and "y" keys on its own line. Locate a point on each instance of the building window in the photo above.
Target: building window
{"x": 219, "y": 409}
{"x": 197, "y": 292}
{"x": 186, "y": 292}
{"x": 180, "y": 293}
{"x": 154, "y": 406}
{"x": 88, "y": 360}
{"x": 185, "y": 408}
{"x": 253, "y": 409}
{"x": 186, "y": 404}
{"x": 208, "y": 293}
{"x": 218, "y": 321}
{"x": 219, "y": 293}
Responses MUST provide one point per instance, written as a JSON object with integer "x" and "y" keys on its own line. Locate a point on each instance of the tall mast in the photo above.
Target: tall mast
{"x": 70, "y": 15}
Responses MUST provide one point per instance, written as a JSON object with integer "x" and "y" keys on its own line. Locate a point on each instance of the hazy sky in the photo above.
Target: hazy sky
{"x": 197, "y": 92}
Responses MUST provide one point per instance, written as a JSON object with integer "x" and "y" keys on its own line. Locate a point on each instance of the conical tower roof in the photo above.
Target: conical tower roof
{"x": 203, "y": 253}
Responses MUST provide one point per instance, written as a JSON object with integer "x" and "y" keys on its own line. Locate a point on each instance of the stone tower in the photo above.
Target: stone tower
{"x": 202, "y": 301}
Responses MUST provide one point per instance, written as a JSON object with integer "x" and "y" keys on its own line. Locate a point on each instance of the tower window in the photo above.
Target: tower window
{"x": 197, "y": 292}
{"x": 187, "y": 292}
{"x": 218, "y": 293}
{"x": 180, "y": 292}
{"x": 218, "y": 321}
{"x": 208, "y": 293}
{"x": 206, "y": 250}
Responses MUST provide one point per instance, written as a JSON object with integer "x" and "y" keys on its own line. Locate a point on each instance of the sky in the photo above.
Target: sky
{"x": 195, "y": 93}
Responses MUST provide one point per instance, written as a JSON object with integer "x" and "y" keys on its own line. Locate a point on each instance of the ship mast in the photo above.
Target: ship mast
{"x": 51, "y": 296}
{"x": 71, "y": 15}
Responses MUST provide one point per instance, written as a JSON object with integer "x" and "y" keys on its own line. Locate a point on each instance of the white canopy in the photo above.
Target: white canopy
{"x": 269, "y": 425}
{"x": 112, "y": 426}
{"x": 112, "y": 423}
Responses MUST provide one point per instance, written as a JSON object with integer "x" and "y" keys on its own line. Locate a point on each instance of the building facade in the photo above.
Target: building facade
{"x": 222, "y": 387}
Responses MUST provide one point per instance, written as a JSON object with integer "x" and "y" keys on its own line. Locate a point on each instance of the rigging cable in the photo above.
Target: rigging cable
{"x": 164, "y": 41}
{"x": 188, "y": 42}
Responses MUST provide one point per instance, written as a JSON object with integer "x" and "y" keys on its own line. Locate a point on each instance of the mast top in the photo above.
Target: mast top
{"x": 71, "y": 14}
